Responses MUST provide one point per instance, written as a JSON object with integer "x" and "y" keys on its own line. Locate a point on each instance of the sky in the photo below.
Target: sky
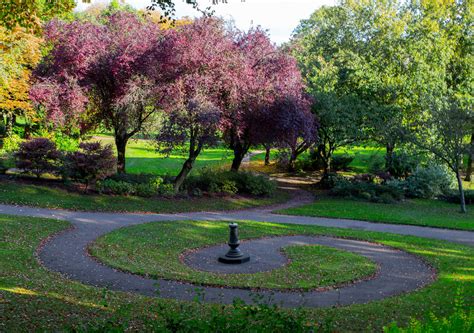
{"x": 279, "y": 17}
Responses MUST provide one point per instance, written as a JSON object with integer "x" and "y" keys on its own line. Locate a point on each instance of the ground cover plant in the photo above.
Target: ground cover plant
{"x": 423, "y": 212}
{"x": 35, "y": 298}
{"x": 155, "y": 250}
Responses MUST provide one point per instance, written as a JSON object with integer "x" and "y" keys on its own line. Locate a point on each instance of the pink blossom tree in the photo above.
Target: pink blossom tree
{"x": 202, "y": 55}
{"x": 104, "y": 69}
{"x": 265, "y": 75}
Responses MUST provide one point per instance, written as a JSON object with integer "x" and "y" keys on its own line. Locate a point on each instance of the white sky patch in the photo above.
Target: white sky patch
{"x": 279, "y": 17}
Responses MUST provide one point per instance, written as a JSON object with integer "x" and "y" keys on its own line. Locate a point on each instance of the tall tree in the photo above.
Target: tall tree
{"x": 264, "y": 74}
{"x": 20, "y": 53}
{"x": 327, "y": 51}
{"x": 193, "y": 119}
{"x": 106, "y": 67}
{"x": 443, "y": 132}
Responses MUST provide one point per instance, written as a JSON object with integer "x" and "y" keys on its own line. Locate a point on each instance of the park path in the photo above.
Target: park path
{"x": 66, "y": 253}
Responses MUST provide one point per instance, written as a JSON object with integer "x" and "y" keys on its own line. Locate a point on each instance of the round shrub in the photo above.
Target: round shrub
{"x": 38, "y": 156}
{"x": 341, "y": 162}
{"x": 428, "y": 182}
{"x": 401, "y": 164}
{"x": 110, "y": 186}
{"x": 92, "y": 162}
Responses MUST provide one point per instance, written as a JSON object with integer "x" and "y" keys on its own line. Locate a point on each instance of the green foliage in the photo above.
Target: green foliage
{"x": 65, "y": 142}
{"x": 229, "y": 182}
{"x": 401, "y": 164}
{"x": 6, "y": 162}
{"x": 427, "y": 182}
{"x": 453, "y": 196}
{"x": 11, "y": 143}
{"x": 381, "y": 193}
{"x": 143, "y": 185}
{"x": 341, "y": 162}
{"x": 110, "y": 186}
{"x": 460, "y": 321}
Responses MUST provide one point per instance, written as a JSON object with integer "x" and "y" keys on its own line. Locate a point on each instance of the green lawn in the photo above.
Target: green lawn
{"x": 154, "y": 249}
{"x": 52, "y": 197}
{"x": 362, "y": 156}
{"x": 421, "y": 212}
{"x": 34, "y": 299}
{"x": 143, "y": 157}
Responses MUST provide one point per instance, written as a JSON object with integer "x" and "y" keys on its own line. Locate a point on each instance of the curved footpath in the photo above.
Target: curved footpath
{"x": 67, "y": 253}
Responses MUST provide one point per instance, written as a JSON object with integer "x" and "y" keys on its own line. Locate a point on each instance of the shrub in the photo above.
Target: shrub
{"x": 218, "y": 181}
{"x": 253, "y": 184}
{"x": 376, "y": 164}
{"x": 428, "y": 182}
{"x": 453, "y": 196}
{"x": 91, "y": 163}
{"x": 330, "y": 180}
{"x": 6, "y": 162}
{"x": 38, "y": 156}
{"x": 282, "y": 158}
{"x": 145, "y": 190}
{"x": 167, "y": 190}
{"x": 229, "y": 187}
{"x": 341, "y": 162}
{"x": 110, "y": 186}
{"x": 65, "y": 142}
{"x": 11, "y": 143}
{"x": 382, "y": 193}
{"x": 401, "y": 164}
{"x": 143, "y": 185}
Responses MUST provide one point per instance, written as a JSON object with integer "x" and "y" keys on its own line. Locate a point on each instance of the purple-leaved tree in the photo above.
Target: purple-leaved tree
{"x": 104, "y": 69}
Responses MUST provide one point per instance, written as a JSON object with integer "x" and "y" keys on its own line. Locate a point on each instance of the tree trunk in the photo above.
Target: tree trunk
{"x": 389, "y": 155}
{"x": 9, "y": 125}
{"x": 461, "y": 192}
{"x": 239, "y": 154}
{"x": 185, "y": 170}
{"x": 292, "y": 161}
{"x": 121, "y": 144}
{"x": 469, "y": 160}
{"x": 267, "y": 155}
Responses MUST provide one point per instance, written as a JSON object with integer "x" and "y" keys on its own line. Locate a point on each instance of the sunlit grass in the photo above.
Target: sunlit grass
{"x": 433, "y": 213}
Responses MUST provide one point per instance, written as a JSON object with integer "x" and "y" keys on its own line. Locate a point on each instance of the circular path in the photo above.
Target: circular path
{"x": 67, "y": 253}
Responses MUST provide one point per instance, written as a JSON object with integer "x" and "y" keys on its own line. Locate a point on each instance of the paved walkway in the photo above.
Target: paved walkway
{"x": 66, "y": 253}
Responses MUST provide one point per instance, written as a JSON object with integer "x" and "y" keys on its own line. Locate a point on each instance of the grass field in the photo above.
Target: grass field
{"x": 143, "y": 157}
{"x": 154, "y": 249}
{"x": 35, "y": 299}
{"x": 433, "y": 213}
{"x": 51, "y": 197}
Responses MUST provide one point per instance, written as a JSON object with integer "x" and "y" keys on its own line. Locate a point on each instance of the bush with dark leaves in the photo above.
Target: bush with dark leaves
{"x": 92, "y": 162}
{"x": 38, "y": 156}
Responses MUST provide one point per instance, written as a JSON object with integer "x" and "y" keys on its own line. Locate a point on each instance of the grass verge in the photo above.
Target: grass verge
{"x": 421, "y": 212}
